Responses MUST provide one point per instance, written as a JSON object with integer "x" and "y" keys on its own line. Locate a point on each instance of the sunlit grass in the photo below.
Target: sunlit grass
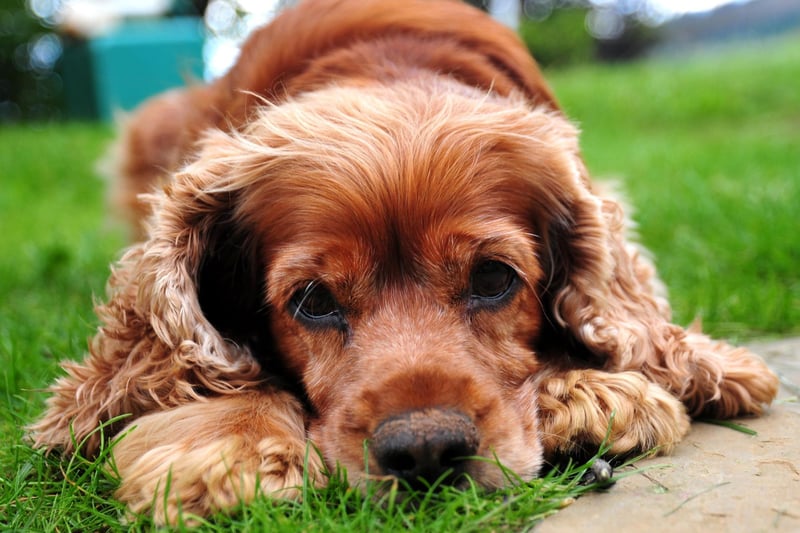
{"x": 708, "y": 152}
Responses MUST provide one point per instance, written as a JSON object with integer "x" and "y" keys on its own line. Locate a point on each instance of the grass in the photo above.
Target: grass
{"x": 709, "y": 153}
{"x": 75, "y": 496}
{"x": 707, "y": 149}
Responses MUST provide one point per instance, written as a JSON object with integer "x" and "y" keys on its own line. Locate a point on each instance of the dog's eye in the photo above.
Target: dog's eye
{"x": 316, "y": 306}
{"x": 491, "y": 281}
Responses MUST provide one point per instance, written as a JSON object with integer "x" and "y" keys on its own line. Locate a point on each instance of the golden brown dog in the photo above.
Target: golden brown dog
{"x": 376, "y": 227}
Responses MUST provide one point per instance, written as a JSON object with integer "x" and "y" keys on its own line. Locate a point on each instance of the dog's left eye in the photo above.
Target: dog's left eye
{"x": 315, "y": 306}
{"x": 491, "y": 281}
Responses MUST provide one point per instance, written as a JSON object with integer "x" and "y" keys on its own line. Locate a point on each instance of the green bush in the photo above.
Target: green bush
{"x": 29, "y": 90}
{"x": 559, "y": 40}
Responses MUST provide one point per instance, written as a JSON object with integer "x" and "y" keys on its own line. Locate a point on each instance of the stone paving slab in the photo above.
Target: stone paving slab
{"x": 718, "y": 479}
{"x": 784, "y": 358}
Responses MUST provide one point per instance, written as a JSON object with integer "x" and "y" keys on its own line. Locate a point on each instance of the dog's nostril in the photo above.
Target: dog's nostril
{"x": 424, "y": 446}
{"x": 398, "y": 462}
{"x": 455, "y": 454}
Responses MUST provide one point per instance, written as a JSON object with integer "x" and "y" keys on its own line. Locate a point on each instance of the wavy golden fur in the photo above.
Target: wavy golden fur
{"x": 376, "y": 227}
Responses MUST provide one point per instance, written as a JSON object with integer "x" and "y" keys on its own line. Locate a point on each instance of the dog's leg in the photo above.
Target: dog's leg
{"x": 211, "y": 455}
{"x": 577, "y": 408}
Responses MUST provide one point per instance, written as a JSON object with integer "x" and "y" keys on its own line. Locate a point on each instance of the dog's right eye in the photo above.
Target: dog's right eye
{"x": 315, "y": 306}
{"x": 492, "y": 281}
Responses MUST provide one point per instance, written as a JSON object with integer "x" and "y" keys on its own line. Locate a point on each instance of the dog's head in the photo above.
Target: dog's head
{"x": 406, "y": 257}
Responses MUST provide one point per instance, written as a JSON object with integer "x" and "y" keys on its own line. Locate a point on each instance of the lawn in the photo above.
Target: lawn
{"x": 708, "y": 150}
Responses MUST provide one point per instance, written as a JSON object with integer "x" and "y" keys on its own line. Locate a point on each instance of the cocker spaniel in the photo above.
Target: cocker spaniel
{"x": 376, "y": 228}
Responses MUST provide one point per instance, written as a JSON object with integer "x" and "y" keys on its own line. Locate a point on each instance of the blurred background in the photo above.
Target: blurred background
{"x": 84, "y": 59}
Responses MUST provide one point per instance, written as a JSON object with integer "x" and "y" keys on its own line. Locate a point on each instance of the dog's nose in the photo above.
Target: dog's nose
{"x": 422, "y": 446}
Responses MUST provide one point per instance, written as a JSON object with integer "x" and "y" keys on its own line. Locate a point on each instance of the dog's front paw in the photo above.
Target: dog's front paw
{"x": 580, "y": 409}
{"x": 190, "y": 461}
{"x": 173, "y": 480}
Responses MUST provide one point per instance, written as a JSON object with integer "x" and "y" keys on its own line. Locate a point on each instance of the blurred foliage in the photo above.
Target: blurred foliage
{"x": 632, "y": 43}
{"x": 27, "y": 91}
{"x": 563, "y": 36}
{"x": 560, "y": 39}
{"x": 567, "y": 32}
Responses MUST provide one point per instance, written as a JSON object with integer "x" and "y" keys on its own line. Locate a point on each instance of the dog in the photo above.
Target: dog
{"x": 376, "y": 228}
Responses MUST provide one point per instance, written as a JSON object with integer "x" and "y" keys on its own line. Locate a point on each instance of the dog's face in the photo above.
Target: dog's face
{"x": 411, "y": 290}
{"x": 402, "y": 240}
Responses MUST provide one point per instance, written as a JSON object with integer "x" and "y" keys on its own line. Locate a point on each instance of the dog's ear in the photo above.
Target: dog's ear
{"x": 202, "y": 273}
{"x": 606, "y": 308}
{"x": 603, "y": 303}
{"x": 185, "y": 312}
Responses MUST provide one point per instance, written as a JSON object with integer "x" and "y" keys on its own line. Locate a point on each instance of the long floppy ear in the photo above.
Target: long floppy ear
{"x": 182, "y": 318}
{"x": 606, "y": 309}
{"x": 599, "y": 289}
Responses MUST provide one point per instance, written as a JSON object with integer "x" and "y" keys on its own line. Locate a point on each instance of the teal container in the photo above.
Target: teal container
{"x": 138, "y": 59}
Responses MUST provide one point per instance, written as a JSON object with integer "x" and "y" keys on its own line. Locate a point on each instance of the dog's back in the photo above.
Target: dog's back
{"x": 318, "y": 43}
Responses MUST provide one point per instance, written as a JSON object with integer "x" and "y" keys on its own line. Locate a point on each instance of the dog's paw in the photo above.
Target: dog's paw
{"x": 174, "y": 480}
{"x": 581, "y": 409}
{"x": 210, "y": 456}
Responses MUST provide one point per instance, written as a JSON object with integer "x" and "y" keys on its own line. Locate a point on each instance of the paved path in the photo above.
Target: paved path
{"x": 718, "y": 479}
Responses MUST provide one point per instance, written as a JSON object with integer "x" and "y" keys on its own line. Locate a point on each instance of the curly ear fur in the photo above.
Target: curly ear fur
{"x": 604, "y": 297}
{"x": 161, "y": 343}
